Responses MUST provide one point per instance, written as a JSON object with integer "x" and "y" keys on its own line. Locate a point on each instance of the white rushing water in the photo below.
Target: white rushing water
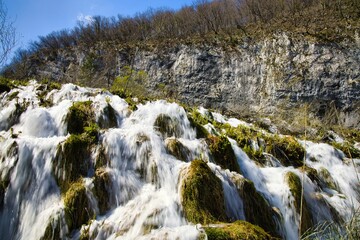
{"x": 145, "y": 179}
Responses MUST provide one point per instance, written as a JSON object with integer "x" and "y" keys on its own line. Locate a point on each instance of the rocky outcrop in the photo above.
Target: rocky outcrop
{"x": 268, "y": 75}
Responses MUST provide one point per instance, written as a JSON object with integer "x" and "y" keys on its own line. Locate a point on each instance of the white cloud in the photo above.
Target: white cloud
{"x": 86, "y": 19}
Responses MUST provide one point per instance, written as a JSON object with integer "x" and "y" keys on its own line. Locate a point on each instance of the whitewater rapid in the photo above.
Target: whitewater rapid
{"x": 145, "y": 179}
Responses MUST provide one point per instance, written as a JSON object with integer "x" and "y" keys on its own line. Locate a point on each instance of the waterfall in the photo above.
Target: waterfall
{"x": 136, "y": 163}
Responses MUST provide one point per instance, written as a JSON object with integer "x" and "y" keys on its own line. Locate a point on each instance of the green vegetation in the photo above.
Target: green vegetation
{"x": 77, "y": 206}
{"x": 257, "y": 210}
{"x": 20, "y": 108}
{"x": 295, "y": 186}
{"x": 202, "y": 194}
{"x": 349, "y": 150}
{"x": 221, "y": 150}
{"x": 197, "y": 121}
{"x": 349, "y": 230}
{"x": 326, "y": 179}
{"x": 52, "y": 231}
{"x": 236, "y": 230}
{"x": 109, "y": 117}
{"x": 286, "y": 149}
{"x": 73, "y": 160}
{"x": 167, "y": 126}
{"x": 46, "y": 87}
{"x": 177, "y": 149}
{"x": 102, "y": 189}
{"x": 80, "y": 115}
{"x": 130, "y": 83}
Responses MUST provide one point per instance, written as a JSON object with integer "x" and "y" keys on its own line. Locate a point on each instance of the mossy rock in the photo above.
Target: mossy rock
{"x": 349, "y": 150}
{"x": 73, "y": 160}
{"x": 3, "y": 186}
{"x": 5, "y": 85}
{"x": 221, "y": 150}
{"x": 102, "y": 159}
{"x": 201, "y": 132}
{"x": 20, "y": 108}
{"x": 52, "y": 231}
{"x": 78, "y": 210}
{"x": 326, "y": 179}
{"x": 177, "y": 149}
{"x": 43, "y": 90}
{"x": 167, "y": 126}
{"x": 312, "y": 173}
{"x": 109, "y": 118}
{"x": 235, "y": 231}
{"x": 80, "y": 115}
{"x": 286, "y": 149}
{"x": 102, "y": 189}
{"x": 257, "y": 209}
{"x": 202, "y": 194}
{"x": 295, "y": 187}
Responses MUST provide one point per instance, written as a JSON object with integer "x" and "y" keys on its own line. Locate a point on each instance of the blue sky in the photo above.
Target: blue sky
{"x": 35, "y": 18}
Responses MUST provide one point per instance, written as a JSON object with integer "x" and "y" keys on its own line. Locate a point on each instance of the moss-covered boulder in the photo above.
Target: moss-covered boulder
{"x": 73, "y": 160}
{"x": 286, "y": 149}
{"x": 349, "y": 150}
{"x": 202, "y": 194}
{"x": 3, "y": 186}
{"x": 221, "y": 150}
{"x": 312, "y": 173}
{"x": 53, "y": 230}
{"x": 326, "y": 180}
{"x": 80, "y": 115}
{"x": 102, "y": 189}
{"x": 235, "y": 231}
{"x": 108, "y": 118}
{"x": 177, "y": 149}
{"x": 257, "y": 209}
{"x": 78, "y": 210}
{"x": 197, "y": 121}
{"x": 167, "y": 126}
{"x": 295, "y": 187}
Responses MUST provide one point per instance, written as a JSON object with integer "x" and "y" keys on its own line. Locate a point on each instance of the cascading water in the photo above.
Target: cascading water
{"x": 133, "y": 184}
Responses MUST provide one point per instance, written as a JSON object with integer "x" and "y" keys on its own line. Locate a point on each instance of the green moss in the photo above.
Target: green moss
{"x": 102, "y": 189}
{"x": 52, "y": 231}
{"x": 286, "y": 149}
{"x": 101, "y": 159}
{"x": 20, "y": 108}
{"x": 236, "y": 230}
{"x": 244, "y": 136}
{"x": 167, "y": 126}
{"x": 73, "y": 160}
{"x": 80, "y": 116}
{"x": 326, "y": 179}
{"x": 256, "y": 208}
{"x": 349, "y": 150}
{"x": 177, "y": 149}
{"x": 44, "y": 89}
{"x": 221, "y": 150}
{"x": 3, "y": 186}
{"x": 295, "y": 186}
{"x": 13, "y": 95}
{"x": 108, "y": 118}
{"x": 310, "y": 172}
{"x": 77, "y": 206}
{"x": 7, "y": 84}
{"x": 201, "y": 132}
{"x": 202, "y": 194}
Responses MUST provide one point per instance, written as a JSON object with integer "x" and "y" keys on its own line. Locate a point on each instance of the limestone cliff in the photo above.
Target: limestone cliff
{"x": 268, "y": 76}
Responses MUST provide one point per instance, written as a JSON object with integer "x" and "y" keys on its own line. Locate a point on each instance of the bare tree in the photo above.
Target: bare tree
{"x": 7, "y": 34}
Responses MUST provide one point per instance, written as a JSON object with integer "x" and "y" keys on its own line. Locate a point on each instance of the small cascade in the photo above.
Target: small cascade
{"x": 77, "y": 162}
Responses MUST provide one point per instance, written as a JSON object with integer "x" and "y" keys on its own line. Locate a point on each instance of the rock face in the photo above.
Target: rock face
{"x": 277, "y": 72}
